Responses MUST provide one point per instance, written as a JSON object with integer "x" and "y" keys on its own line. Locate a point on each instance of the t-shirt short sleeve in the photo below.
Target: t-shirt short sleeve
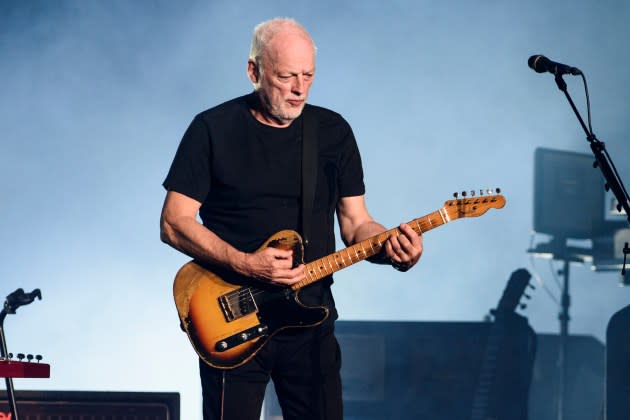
{"x": 350, "y": 180}
{"x": 190, "y": 171}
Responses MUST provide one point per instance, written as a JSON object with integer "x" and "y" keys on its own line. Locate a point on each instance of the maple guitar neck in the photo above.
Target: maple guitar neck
{"x": 325, "y": 266}
{"x": 453, "y": 209}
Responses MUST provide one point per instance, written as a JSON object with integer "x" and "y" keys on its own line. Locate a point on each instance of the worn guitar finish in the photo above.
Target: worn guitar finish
{"x": 228, "y": 318}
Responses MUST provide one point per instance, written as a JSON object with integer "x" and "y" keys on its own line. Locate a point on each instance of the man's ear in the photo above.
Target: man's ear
{"x": 253, "y": 71}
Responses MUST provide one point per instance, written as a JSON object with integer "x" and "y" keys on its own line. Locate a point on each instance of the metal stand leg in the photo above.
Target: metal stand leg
{"x": 8, "y": 381}
{"x": 563, "y": 352}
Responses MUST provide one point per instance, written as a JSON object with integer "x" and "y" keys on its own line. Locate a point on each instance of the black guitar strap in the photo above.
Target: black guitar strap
{"x": 309, "y": 170}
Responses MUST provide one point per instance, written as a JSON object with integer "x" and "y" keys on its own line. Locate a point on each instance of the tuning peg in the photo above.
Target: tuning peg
{"x": 480, "y": 192}
{"x": 455, "y": 194}
{"x": 20, "y": 356}
{"x": 472, "y": 193}
{"x": 464, "y": 193}
{"x": 531, "y": 286}
{"x": 38, "y": 357}
{"x": 10, "y": 355}
{"x": 498, "y": 190}
{"x": 527, "y": 296}
{"x": 29, "y": 357}
{"x": 522, "y": 305}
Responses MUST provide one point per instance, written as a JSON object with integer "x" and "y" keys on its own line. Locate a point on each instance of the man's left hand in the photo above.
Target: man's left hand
{"x": 405, "y": 249}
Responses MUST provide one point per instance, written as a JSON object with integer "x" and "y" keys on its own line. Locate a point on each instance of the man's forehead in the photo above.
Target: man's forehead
{"x": 289, "y": 45}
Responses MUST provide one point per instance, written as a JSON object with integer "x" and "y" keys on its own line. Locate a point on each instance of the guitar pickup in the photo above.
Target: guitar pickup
{"x": 237, "y": 304}
{"x": 241, "y": 337}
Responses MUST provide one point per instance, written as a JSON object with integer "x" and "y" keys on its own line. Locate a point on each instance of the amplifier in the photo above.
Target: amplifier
{"x": 426, "y": 370}
{"x": 92, "y": 405}
{"x": 618, "y": 365}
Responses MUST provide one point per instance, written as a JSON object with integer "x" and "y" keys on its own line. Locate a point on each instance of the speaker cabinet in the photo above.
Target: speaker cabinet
{"x": 88, "y": 405}
{"x": 427, "y": 370}
{"x": 585, "y": 387}
{"x": 618, "y": 366}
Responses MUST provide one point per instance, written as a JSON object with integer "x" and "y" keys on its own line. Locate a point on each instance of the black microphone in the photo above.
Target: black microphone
{"x": 19, "y": 298}
{"x": 541, "y": 64}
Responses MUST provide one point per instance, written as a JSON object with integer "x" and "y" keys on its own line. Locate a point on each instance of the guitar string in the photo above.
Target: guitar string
{"x": 426, "y": 222}
{"x": 236, "y": 295}
{"x": 421, "y": 226}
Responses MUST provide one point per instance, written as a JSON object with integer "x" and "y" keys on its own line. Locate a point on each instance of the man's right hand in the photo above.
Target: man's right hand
{"x": 180, "y": 229}
{"x": 271, "y": 264}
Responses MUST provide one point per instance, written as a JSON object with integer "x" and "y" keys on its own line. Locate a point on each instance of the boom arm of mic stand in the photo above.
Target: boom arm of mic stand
{"x": 601, "y": 160}
{"x": 612, "y": 181}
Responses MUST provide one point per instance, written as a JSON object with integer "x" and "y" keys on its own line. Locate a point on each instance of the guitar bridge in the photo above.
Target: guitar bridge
{"x": 237, "y": 304}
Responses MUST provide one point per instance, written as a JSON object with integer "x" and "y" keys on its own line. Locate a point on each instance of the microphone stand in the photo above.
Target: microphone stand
{"x": 4, "y": 353}
{"x": 13, "y": 301}
{"x": 601, "y": 160}
{"x": 616, "y": 185}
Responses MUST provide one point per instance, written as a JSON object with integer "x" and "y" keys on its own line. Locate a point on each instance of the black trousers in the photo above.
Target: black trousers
{"x": 304, "y": 365}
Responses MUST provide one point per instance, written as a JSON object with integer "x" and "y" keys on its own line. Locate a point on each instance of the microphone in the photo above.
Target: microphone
{"x": 541, "y": 64}
{"x": 19, "y": 298}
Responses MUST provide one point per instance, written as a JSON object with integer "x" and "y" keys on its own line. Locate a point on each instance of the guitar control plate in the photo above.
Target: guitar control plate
{"x": 241, "y": 337}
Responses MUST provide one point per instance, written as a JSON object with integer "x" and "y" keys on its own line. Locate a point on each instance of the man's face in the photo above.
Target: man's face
{"x": 286, "y": 77}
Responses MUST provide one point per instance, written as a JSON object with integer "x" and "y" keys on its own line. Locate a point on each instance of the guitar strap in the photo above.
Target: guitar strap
{"x": 309, "y": 170}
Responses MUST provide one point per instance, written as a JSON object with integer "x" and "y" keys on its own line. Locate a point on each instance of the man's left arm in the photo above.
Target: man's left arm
{"x": 402, "y": 251}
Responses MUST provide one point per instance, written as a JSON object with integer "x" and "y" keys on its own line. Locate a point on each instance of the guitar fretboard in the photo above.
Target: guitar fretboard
{"x": 325, "y": 266}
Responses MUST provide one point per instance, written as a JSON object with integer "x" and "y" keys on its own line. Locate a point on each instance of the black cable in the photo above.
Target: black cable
{"x": 590, "y": 130}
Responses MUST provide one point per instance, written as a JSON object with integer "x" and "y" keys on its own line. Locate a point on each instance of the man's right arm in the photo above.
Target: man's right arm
{"x": 180, "y": 229}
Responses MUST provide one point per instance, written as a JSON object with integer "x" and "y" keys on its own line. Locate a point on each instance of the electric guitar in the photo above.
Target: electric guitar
{"x": 485, "y": 400}
{"x": 228, "y": 318}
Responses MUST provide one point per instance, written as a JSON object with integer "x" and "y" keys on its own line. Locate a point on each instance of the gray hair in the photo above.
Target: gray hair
{"x": 265, "y": 31}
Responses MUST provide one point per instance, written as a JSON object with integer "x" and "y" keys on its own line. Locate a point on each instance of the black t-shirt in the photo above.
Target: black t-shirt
{"x": 247, "y": 177}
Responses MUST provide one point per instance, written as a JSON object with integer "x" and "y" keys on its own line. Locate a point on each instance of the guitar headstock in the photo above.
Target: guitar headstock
{"x": 473, "y": 206}
{"x": 514, "y": 291}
